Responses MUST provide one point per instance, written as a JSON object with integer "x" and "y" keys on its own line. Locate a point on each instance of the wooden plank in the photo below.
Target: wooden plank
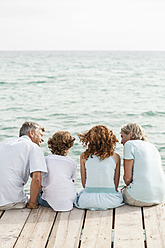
{"x": 67, "y": 229}
{"x": 37, "y": 228}
{"x": 97, "y": 229}
{"x": 128, "y": 231}
{"x": 1, "y": 212}
{"x": 154, "y": 219}
{"x": 11, "y": 225}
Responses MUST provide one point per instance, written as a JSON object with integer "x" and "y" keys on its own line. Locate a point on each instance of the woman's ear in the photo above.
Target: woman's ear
{"x": 130, "y": 134}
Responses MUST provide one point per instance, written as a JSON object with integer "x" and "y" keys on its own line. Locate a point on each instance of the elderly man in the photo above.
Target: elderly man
{"x": 19, "y": 158}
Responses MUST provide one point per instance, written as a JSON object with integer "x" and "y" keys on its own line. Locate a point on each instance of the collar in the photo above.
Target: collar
{"x": 26, "y": 137}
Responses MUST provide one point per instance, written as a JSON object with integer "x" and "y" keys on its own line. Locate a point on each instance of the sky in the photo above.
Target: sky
{"x": 82, "y": 25}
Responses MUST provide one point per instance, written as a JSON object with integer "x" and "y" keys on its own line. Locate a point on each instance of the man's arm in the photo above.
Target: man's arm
{"x": 34, "y": 189}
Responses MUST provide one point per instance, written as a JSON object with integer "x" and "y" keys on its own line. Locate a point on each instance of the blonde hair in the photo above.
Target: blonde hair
{"x": 136, "y": 129}
{"x": 60, "y": 142}
{"x": 100, "y": 141}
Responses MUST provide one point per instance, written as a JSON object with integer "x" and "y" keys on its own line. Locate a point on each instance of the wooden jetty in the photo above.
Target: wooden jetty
{"x": 123, "y": 227}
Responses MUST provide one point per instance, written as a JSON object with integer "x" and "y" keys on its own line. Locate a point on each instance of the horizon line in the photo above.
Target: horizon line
{"x": 77, "y": 50}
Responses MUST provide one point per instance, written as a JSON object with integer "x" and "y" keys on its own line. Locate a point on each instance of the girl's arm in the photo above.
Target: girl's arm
{"x": 128, "y": 167}
{"x": 117, "y": 171}
{"x": 83, "y": 170}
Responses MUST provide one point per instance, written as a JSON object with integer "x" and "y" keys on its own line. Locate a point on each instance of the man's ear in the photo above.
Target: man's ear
{"x": 31, "y": 133}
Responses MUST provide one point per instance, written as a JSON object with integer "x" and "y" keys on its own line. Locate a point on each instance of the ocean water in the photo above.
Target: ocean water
{"x": 73, "y": 90}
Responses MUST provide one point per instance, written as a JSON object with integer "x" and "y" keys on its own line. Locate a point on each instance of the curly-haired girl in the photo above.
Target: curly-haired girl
{"x": 58, "y": 190}
{"x": 100, "y": 170}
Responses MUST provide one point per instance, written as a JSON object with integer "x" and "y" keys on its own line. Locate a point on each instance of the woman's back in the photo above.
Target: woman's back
{"x": 148, "y": 178}
{"x": 100, "y": 173}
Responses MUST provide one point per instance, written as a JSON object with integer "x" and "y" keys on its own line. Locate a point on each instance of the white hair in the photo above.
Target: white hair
{"x": 27, "y": 126}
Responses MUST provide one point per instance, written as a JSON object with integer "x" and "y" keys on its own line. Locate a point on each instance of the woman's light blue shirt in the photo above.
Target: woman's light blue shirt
{"x": 99, "y": 192}
{"x": 148, "y": 183}
{"x": 100, "y": 173}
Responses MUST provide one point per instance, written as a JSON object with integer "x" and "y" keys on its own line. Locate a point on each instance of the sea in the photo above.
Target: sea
{"x": 76, "y": 90}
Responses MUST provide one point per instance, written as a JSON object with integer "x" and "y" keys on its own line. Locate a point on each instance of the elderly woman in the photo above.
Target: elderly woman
{"x": 143, "y": 172}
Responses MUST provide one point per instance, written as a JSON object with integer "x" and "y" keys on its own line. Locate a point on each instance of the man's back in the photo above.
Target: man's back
{"x": 16, "y": 156}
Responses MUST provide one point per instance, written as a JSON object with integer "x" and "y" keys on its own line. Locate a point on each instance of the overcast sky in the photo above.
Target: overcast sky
{"x": 82, "y": 24}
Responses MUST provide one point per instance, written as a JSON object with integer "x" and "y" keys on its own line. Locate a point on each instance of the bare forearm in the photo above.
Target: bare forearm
{"x": 34, "y": 192}
{"x": 116, "y": 181}
{"x": 128, "y": 168}
{"x": 83, "y": 183}
{"x": 83, "y": 170}
{"x": 127, "y": 180}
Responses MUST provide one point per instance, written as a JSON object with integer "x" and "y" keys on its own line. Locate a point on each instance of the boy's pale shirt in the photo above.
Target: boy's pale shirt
{"x": 58, "y": 187}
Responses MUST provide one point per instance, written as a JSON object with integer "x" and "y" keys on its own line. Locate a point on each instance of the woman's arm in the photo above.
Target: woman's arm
{"x": 128, "y": 167}
{"x": 83, "y": 170}
{"x": 117, "y": 171}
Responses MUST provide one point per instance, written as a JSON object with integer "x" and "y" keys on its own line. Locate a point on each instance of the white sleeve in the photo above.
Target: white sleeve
{"x": 129, "y": 152}
{"x": 37, "y": 160}
{"x": 74, "y": 174}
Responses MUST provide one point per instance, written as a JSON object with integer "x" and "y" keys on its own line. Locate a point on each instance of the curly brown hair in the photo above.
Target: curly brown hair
{"x": 100, "y": 141}
{"x": 60, "y": 142}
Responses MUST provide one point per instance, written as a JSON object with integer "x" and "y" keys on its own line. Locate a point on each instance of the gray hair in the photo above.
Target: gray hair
{"x": 136, "y": 129}
{"x": 29, "y": 125}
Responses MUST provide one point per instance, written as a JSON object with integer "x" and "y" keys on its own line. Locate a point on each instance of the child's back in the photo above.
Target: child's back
{"x": 58, "y": 190}
{"x": 58, "y": 187}
{"x": 100, "y": 173}
{"x": 99, "y": 192}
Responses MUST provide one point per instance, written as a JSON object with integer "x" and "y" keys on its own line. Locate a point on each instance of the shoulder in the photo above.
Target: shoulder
{"x": 82, "y": 157}
{"x": 70, "y": 160}
{"x": 62, "y": 159}
{"x": 59, "y": 158}
{"x": 9, "y": 141}
{"x": 36, "y": 149}
{"x": 132, "y": 144}
{"x": 15, "y": 140}
{"x": 116, "y": 157}
{"x": 137, "y": 145}
{"x": 151, "y": 148}
{"x": 135, "y": 142}
{"x": 26, "y": 141}
{"x": 48, "y": 157}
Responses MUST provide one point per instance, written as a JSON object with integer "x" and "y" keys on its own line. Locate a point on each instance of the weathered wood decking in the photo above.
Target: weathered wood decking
{"x": 124, "y": 227}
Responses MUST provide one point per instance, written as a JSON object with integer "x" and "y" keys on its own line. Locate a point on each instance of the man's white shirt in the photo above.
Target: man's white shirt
{"x": 19, "y": 158}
